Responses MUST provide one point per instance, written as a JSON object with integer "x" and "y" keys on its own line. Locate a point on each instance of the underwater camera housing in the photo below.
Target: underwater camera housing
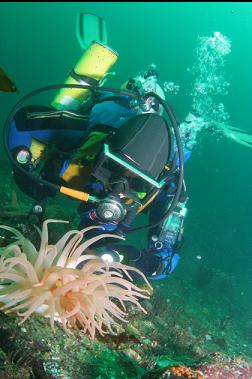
{"x": 136, "y": 155}
{"x": 132, "y": 164}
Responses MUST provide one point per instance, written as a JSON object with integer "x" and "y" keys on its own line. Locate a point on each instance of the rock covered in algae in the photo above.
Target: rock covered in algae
{"x": 34, "y": 351}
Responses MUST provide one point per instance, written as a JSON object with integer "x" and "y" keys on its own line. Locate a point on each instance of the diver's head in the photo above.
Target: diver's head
{"x": 144, "y": 83}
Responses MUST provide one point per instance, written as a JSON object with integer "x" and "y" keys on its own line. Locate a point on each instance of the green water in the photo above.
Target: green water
{"x": 38, "y": 46}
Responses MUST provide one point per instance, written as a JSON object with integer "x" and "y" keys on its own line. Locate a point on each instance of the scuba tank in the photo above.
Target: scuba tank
{"x": 91, "y": 68}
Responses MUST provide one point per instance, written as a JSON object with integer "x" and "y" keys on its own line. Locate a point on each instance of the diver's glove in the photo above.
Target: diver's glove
{"x": 168, "y": 261}
{"x": 168, "y": 256}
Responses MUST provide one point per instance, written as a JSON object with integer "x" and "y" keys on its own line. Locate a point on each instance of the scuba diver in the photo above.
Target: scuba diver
{"x": 117, "y": 147}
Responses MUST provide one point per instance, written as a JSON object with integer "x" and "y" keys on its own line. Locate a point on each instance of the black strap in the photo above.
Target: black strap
{"x": 83, "y": 78}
